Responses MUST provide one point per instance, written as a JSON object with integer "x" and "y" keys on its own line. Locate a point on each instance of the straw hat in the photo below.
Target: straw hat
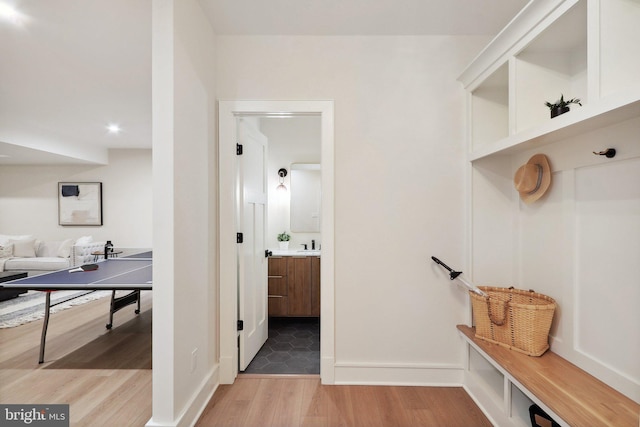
{"x": 533, "y": 179}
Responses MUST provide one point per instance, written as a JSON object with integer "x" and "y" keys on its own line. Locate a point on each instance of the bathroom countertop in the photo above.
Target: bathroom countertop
{"x": 294, "y": 252}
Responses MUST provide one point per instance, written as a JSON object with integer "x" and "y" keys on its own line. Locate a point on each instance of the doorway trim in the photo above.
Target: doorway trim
{"x": 228, "y": 111}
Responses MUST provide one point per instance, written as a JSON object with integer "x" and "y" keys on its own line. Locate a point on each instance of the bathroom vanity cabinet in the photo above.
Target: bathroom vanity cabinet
{"x": 278, "y": 292}
{"x": 294, "y": 286}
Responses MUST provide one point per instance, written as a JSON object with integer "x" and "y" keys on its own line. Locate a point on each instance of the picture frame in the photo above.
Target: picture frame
{"x": 80, "y": 203}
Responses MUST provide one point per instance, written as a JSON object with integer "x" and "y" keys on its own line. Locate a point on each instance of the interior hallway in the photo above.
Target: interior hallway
{"x": 105, "y": 377}
{"x": 279, "y": 401}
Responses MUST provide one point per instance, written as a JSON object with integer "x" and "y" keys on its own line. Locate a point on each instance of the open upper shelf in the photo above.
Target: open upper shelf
{"x": 575, "y": 48}
{"x": 605, "y": 112}
{"x": 490, "y": 106}
{"x": 554, "y": 63}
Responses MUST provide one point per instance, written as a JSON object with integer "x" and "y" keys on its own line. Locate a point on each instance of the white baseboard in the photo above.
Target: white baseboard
{"x": 196, "y": 405}
{"x": 228, "y": 366}
{"x": 327, "y": 370}
{"x": 399, "y": 374}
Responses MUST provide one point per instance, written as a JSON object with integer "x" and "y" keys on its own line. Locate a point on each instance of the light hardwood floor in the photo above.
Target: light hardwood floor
{"x": 290, "y": 402}
{"x": 105, "y": 377}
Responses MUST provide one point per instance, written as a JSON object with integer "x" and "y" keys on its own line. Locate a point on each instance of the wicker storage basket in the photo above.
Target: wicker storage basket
{"x": 513, "y": 318}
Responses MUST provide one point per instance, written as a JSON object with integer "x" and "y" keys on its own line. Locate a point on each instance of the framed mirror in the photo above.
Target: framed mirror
{"x": 305, "y": 197}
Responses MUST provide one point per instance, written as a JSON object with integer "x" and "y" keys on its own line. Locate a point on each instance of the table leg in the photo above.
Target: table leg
{"x": 45, "y": 324}
{"x": 112, "y": 309}
{"x": 121, "y": 302}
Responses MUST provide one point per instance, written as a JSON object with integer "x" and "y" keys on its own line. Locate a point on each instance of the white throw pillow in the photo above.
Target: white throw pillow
{"x": 24, "y": 248}
{"x": 65, "y": 248}
{"x": 6, "y": 251}
{"x": 84, "y": 240}
{"x": 5, "y": 238}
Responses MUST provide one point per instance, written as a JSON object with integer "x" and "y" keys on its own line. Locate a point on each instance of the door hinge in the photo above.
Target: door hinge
{"x": 240, "y": 325}
{"x": 239, "y": 149}
{"x": 239, "y": 238}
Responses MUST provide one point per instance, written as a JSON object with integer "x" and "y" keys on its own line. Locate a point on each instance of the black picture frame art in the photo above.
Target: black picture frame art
{"x": 80, "y": 203}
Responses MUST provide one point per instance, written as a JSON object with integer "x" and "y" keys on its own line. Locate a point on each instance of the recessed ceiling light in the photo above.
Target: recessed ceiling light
{"x": 113, "y": 128}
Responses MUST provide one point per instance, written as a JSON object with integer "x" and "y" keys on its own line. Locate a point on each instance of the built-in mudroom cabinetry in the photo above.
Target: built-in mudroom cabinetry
{"x": 294, "y": 286}
{"x": 580, "y": 242}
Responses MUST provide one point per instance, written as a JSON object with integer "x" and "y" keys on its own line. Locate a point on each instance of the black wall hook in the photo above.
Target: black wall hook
{"x": 609, "y": 152}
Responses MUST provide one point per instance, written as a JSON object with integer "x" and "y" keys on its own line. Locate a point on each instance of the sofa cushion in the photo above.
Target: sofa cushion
{"x": 24, "y": 248}
{"x": 39, "y": 263}
{"x": 44, "y": 248}
{"x": 64, "y": 251}
{"x": 6, "y": 251}
{"x": 54, "y": 248}
{"x": 5, "y": 238}
{"x": 84, "y": 240}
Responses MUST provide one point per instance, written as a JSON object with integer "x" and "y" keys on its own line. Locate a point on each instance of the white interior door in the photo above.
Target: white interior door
{"x": 252, "y": 220}
{"x": 228, "y": 111}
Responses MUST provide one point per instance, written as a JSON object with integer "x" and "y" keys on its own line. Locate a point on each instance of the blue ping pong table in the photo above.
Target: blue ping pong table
{"x": 132, "y": 273}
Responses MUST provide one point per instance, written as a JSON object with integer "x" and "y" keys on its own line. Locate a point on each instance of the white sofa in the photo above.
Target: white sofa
{"x": 24, "y": 253}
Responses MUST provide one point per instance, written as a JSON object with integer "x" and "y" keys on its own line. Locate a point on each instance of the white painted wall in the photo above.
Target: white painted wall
{"x": 399, "y": 187}
{"x": 291, "y": 140}
{"x": 29, "y": 199}
{"x": 185, "y": 267}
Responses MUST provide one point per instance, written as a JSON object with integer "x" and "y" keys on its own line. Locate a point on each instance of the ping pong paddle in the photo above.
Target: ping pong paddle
{"x": 85, "y": 267}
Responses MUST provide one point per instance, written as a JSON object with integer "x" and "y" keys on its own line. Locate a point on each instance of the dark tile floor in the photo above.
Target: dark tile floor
{"x": 293, "y": 347}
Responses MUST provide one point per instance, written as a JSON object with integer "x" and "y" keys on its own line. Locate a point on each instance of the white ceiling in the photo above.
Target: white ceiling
{"x": 66, "y": 71}
{"x": 361, "y": 17}
{"x": 70, "y": 67}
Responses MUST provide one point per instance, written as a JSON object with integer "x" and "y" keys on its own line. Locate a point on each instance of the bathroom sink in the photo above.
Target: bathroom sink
{"x": 294, "y": 252}
{"x": 309, "y": 251}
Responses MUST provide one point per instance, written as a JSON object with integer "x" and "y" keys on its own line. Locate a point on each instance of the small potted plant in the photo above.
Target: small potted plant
{"x": 283, "y": 240}
{"x": 561, "y": 106}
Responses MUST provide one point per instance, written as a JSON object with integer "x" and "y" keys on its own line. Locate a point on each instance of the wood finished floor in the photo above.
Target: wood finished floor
{"x": 105, "y": 377}
{"x": 291, "y": 402}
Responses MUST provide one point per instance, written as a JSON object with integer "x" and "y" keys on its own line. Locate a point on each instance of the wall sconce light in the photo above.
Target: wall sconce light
{"x": 282, "y": 173}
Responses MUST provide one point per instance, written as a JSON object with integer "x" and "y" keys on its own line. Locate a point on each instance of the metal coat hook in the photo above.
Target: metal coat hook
{"x": 609, "y": 152}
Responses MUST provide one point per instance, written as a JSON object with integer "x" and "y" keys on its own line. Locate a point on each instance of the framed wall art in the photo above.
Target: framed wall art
{"x": 80, "y": 203}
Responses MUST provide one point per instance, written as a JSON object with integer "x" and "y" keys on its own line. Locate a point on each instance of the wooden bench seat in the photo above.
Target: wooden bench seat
{"x": 577, "y": 397}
